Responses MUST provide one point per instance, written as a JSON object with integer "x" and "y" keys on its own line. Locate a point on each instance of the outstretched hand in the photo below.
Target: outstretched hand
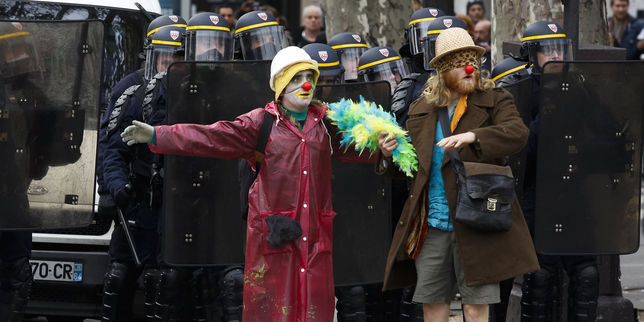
{"x": 387, "y": 144}
{"x": 457, "y": 141}
{"x": 138, "y": 132}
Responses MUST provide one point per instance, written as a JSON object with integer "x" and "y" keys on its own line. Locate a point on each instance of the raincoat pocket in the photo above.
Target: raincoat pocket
{"x": 325, "y": 242}
{"x": 269, "y": 248}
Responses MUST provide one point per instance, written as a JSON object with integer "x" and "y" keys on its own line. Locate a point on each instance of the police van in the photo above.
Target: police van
{"x": 101, "y": 42}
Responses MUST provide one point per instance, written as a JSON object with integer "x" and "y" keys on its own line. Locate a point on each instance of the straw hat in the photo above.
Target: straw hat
{"x": 451, "y": 40}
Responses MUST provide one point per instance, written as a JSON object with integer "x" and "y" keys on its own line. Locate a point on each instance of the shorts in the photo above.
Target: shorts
{"x": 439, "y": 271}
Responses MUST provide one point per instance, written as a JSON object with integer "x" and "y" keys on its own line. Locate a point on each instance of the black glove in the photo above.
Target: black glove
{"x": 282, "y": 229}
{"x": 123, "y": 197}
{"x": 106, "y": 206}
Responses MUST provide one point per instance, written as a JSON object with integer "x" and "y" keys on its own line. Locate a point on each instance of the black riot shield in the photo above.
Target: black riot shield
{"x": 362, "y": 229}
{"x": 49, "y": 100}
{"x": 523, "y": 92}
{"x": 201, "y": 208}
{"x": 588, "y": 162}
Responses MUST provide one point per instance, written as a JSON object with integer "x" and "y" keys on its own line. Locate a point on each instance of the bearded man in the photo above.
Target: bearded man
{"x": 429, "y": 249}
{"x": 288, "y": 273}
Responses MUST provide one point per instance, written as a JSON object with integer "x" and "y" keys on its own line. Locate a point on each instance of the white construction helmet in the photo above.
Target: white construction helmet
{"x": 281, "y": 71}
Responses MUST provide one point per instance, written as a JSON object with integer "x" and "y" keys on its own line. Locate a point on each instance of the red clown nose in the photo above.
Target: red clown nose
{"x": 469, "y": 69}
{"x": 307, "y": 86}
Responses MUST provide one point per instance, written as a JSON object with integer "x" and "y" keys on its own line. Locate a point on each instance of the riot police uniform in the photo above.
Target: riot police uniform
{"x": 106, "y": 206}
{"x": 349, "y": 46}
{"x": 18, "y": 98}
{"x": 258, "y": 36}
{"x": 127, "y": 174}
{"x": 543, "y": 41}
{"x": 215, "y": 293}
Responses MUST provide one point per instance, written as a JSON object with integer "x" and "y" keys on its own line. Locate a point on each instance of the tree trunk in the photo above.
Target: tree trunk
{"x": 380, "y": 22}
{"x": 593, "y": 25}
{"x": 511, "y": 17}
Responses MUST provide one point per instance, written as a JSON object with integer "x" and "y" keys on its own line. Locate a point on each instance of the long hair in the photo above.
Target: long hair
{"x": 437, "y": 93}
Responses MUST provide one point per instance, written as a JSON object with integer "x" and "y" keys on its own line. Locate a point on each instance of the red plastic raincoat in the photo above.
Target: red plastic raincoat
{"x": 294, "y": 283}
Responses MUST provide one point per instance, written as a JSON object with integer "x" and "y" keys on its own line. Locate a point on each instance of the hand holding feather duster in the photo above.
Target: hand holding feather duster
{"x": 360, "y": 123}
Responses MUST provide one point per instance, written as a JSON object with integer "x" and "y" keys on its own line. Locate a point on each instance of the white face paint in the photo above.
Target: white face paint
{"x": 294, "y": 97}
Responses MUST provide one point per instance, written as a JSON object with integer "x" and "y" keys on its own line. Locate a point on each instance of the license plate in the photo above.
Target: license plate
{"x": 57, "y": 271}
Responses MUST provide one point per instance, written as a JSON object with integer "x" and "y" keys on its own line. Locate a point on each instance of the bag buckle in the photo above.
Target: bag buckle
{"x": 491, "y": 204}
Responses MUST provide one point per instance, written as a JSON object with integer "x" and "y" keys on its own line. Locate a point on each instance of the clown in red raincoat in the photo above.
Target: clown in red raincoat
{"x": 288, "y": 278}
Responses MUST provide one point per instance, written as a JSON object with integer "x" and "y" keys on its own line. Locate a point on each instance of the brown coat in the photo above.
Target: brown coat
{"x": 486, "y": 257}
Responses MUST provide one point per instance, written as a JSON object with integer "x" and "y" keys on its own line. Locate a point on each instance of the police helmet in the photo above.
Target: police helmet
{"x": 350, "y": 46}
{"x": 208, "y": 38}
{"x": 509, "y": 71}
{"x": 18, "y": 55}
{"x": 382, "y": 63}
{"x": 434, "y": 28}
{"x": 417, "y": 28}
{"x": 545, "y": 41}
{"x": 259, "y": 35}
{"x": 331, "y": 72}
{"x": 162, "y": 21}
{"x": 166, "y": 46}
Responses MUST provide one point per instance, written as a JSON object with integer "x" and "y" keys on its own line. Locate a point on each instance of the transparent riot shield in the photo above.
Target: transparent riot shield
{"x": 362, "y": 229}
{"x": 49, "y": 99}
{"x": 588, "y": 162}
{"x": 525, "y": 102}
{"x": 203, "y": 224}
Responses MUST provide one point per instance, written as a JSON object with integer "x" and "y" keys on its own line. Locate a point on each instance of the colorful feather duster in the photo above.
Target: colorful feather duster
{"x": 360, "y": 123}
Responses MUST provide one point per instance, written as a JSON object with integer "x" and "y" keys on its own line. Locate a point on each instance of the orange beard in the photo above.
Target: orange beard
{"x": 454, "y": 83}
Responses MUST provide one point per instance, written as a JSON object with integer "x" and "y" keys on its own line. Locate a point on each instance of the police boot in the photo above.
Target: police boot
{"x": 14, "y": 299}
{"x": 118, "y": 288}
{"x": 391, "y": 305}
{"x": 231, "y": 286}
{"x": 499, "y": 310}
{"x": 537, "y": 296}
{"x": 374, "y": 303}
{"x": 410, "y": 311}
{"x": 351, "y": 304}
{"x": 583, "y": 293}
{"x": 150, "y": 283}
{"x": 205, "y": 292}
{"x": 169, "y": 305}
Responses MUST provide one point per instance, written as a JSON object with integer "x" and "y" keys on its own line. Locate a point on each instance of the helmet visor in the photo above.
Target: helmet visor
{"x": 158, "y": 59}
{"x": 392, "y": 72}
{"x": 17, "y": 56}
{"x": 550, "y": 50}
{"x": 417, "y": 32}
{"x": 262, "y": 43}
{"x": 350, "y": 57}
{"x": 209, "y": 45}
{"x": 429, "y": 49}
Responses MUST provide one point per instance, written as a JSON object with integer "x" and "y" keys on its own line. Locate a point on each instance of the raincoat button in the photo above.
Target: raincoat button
{"x": 304, "y": 238}
{"x": 401, "y": 222}
{"x": 302, "y": 270}
{"x": 305, "y": 205}
{"x": 315, "y": 119}
{"x": 304, "y": 172}
{"x": 303, "y": 140}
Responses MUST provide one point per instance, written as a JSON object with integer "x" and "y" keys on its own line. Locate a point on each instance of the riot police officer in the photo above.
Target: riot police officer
{"x": 509, "y": 71}
{"x": 127, "y": 173}
{"x": 106, "y": 206}
{"x": 349, "y": 46}
{"x": 331, "y": 71}
{"x": 19, "y": 68}
{"x": 259, "y": 36}
{"x": 185, "y": 293}
{"x": 415, "y": 32}
{"x": 382, "y": 63}
{"x": 543, "y": 42}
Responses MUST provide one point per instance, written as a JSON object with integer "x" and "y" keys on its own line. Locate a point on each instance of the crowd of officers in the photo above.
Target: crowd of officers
{"x": 129, "y": 176}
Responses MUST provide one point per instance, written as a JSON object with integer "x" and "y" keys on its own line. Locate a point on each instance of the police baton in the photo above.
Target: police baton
{"x": 128, "y": 236}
